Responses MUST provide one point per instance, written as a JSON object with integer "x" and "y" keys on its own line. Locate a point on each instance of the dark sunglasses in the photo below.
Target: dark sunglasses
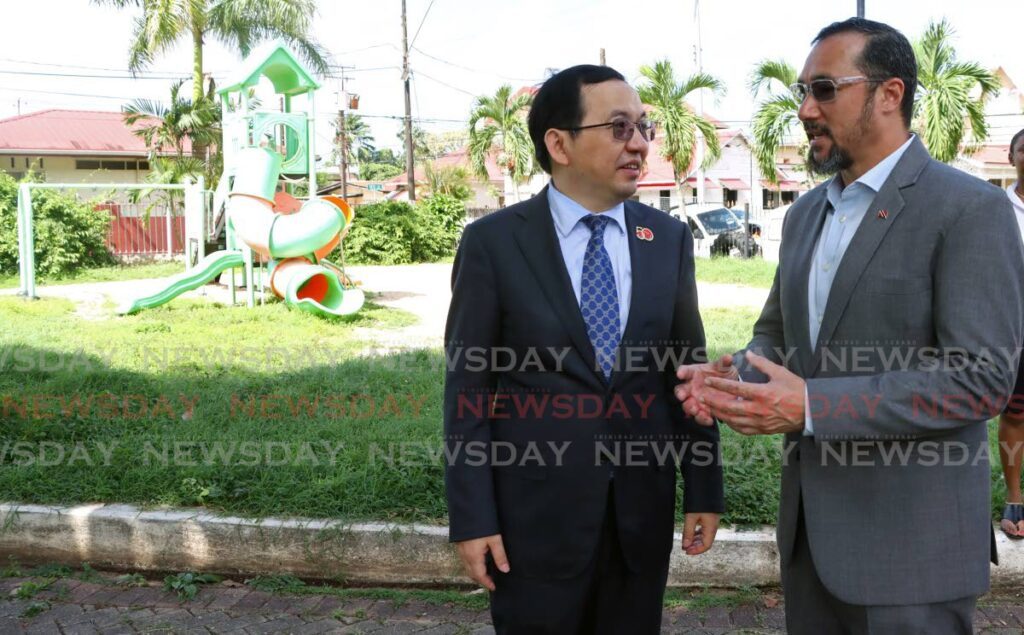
{"x": 622, "y": 129}
{"x": 826, "y": 90}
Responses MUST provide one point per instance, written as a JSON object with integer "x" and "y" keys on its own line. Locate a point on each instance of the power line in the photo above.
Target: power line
{"x": 434, "y": 79}
{"x": 41, "y": 74}
{"x": 475, "y": 70}
{"x": 424, "y": 19}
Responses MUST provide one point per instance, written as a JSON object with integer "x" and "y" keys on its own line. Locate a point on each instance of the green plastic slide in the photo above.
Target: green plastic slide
{"x": 205, "y": 270}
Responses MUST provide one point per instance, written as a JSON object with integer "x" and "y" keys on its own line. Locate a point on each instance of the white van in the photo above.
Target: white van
{"x": 716, "y": 232}
{"x": 771, "y": 233}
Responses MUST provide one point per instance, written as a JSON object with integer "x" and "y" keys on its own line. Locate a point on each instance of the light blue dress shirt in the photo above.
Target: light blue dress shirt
{"x": 847, "y": 208}
{"x": 573, "y": 237}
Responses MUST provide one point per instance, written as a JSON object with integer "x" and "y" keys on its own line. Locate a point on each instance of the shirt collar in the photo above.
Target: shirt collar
{"x": 567, "y": 212}
{"x": 874, "y": 178}
{"x": 1011, "y": 191}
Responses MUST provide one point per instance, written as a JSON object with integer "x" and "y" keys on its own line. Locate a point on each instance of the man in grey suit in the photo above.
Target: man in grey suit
{"x": 879, "y": 355}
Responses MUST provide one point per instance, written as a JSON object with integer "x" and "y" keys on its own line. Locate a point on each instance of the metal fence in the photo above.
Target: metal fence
{"x": 138, "y": 230}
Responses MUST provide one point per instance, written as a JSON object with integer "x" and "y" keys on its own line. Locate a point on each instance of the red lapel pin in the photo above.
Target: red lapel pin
{"x": 883, "y": 214}
{"x": 644, "y": 233}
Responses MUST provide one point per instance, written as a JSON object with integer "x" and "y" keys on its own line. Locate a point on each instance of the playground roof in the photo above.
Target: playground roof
{"x": 276, "y": 62}
{"x": 71, "y": 132}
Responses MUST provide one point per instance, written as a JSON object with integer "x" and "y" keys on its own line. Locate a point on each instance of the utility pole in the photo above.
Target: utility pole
{"x": 860, "y": 8}
{"x": 343, "y": 138}
{"x": 410, "y": 160}
{"x": 602, "y": 58}
{"x": 698, "y": 58}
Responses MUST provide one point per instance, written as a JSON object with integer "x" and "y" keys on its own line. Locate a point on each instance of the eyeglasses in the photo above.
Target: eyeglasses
{"x": 622, "y": 129}
{"x": 825, "y": 90}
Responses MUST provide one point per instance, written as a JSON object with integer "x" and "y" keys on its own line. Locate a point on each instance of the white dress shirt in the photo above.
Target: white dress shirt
{"x": 573, "y": 237}
{"x": 847, "y": 208}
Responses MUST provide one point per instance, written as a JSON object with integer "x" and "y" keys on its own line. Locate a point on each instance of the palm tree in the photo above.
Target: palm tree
{"x": 775, "y": 116}
{"x": 497, "y": 124}
{"x": 942, "y": 107}
{"x": 166, "y": 126}
{"x": 678, "y": 124}
{"x": 451, "y": 180}
{"x": 944, "y": 104}
{"x": 237, "y": 24}
{"x": 359, "y": 139}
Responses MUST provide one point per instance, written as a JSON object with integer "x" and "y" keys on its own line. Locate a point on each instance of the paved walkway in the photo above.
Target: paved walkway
{"x": 71, "y": 606}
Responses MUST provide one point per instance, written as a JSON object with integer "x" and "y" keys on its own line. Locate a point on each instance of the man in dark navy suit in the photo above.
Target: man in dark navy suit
{"x": 561, "y": 479}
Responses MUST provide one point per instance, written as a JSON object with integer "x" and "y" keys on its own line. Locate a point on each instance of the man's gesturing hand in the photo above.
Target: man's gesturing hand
{"x": 473, "y": 552}
{"x": 692, "y": 386}
{"x": 776, "y": 407}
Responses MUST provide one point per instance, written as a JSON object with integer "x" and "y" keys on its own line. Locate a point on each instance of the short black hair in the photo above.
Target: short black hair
{"x": 1017, "y": 137}
{"x": 886, "y": 54}
{"x": 559, "y": 104}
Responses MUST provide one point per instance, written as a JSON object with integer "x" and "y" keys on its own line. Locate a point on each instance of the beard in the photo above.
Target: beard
{"x": 838, "y": 157}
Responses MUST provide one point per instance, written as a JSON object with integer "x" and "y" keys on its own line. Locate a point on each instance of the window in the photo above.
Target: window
{"x": 114, "y": 165}
{"x": 87, "y": 165}
{"x": 729, "y": 197}
{"x": 665, "y": 200}
{"x": 143, "y": 165}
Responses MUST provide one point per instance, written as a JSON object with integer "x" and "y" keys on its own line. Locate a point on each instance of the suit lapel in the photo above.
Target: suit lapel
{"x": 869, "y": 236}
{"x": 798, "y": 277}
{"x": 539, "y": 244}
{"x": 644, "y": 282}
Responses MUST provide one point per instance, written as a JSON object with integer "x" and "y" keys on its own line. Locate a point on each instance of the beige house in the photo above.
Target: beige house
{"x": 73, "y": 146}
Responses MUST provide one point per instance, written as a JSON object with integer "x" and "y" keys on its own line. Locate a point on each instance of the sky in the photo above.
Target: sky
{"x": 465, "y": 48}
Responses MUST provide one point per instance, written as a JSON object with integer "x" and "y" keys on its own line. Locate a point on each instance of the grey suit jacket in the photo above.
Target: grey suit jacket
{"x": 915, "y": 353}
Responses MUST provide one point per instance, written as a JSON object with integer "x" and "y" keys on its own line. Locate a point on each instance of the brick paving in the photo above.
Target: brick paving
{"x": 70, "y": 606}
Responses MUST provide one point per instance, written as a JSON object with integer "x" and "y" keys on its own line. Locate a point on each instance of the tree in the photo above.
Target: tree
{"x": 677, "y": 122}
{"x": 944, "y": 104}
{"x": 360, "y": 140}
{"x": 442, "y": 143}
{"x": 775, "y": 116}
{"x": 451, "y": 180}
{"x": 237, "y": 24}
{"x": 419, "y": 141}
{"x": 169, "y": 126}
{"x": 497, "y": 125}
{"x": 165, "y": 127}
{"x": 942, "y": 108}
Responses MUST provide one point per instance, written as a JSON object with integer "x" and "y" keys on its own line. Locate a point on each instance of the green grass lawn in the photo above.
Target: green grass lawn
{"x": 754, "y": 272}
{"x": 258, "y": 412}
{"x": 147, "y": 409}
{"x": 159, "y": 269}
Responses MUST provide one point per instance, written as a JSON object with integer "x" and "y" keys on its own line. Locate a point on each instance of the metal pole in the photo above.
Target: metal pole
{"x": 602, "y": 58}
{"x": 860, "y": 8}
{"x": 410, "y": 160}
{"x": 344, "y": 153}
{"x": 310, "y": 137}
{"x": 30, "y": 248}
{"x": 22, "y": 260}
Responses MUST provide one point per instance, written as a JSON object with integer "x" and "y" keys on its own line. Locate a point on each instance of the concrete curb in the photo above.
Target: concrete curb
{"x": 126, "y": 537}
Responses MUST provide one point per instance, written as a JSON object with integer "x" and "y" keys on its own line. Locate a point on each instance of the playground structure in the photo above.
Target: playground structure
{"x": 261, "y": 225}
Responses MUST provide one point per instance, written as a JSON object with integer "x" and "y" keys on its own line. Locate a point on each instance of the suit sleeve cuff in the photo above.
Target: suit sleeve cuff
{"x": 808, "y": 422}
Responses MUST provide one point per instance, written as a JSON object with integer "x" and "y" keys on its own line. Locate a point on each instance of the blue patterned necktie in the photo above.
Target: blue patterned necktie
{"x": 599, "y": 298}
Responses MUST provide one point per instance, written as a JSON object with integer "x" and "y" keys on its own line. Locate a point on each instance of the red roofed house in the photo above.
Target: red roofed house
{"x": 80, "y": 146}
{"x": 487, "y": 195}
{"x": 73, "y": 146}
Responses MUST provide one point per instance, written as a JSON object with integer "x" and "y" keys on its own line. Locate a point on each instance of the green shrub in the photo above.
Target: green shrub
{"x": 69, "y": 234}
{"x": 393, "y": 233}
